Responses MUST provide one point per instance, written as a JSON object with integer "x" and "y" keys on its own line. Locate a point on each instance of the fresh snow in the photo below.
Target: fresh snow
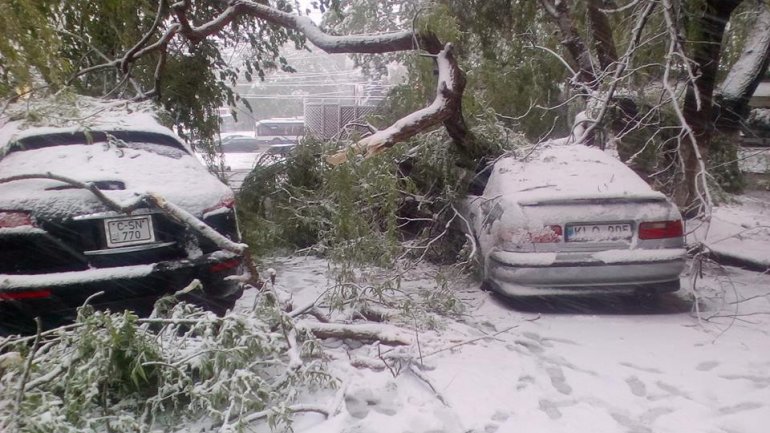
{"x": 620, "y": 256}
{"x": 739, "y": 230}
{"x": 550, "y": 173}
{"x": 74, "y": 277}
{"x": 51, "y": 115}
{"x": 562, "y": 365}
{"x": 142, "y": 167}
{"x": 750, "y": 63}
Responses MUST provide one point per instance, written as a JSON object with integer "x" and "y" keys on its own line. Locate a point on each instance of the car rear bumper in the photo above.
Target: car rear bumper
{"x": 23, "y": 297}
{"x": 535, "y": 274}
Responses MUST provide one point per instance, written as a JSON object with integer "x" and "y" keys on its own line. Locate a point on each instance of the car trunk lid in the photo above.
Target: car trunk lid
{"x": 592, "y": 224}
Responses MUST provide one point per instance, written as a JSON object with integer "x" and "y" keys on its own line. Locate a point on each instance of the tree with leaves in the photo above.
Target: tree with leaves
{"x": 534, "y": 65}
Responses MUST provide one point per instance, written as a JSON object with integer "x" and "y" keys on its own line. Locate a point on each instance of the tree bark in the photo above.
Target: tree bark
{"x": 604, "y": 43}
{"x": 705, "y": 54}
{"x": 731, "y": 101}
{"x": 444, "y": 109}
{"x": 572, "y": 42}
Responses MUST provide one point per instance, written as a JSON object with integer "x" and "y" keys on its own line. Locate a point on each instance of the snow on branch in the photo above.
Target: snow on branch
{"x": 447, "y": 101}
{"x": 385, "y": 334}
{"x": 170, "y": 209}
{"x": 388, "y": 42}
{"x": 744, "y": 76}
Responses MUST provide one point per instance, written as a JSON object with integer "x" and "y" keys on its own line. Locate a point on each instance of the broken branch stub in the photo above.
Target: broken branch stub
{"x": 447, "y": 102}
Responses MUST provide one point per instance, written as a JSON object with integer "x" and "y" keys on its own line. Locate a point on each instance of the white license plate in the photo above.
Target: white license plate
{"x": 129, "y": 231}
{"x": 598, "y": 232}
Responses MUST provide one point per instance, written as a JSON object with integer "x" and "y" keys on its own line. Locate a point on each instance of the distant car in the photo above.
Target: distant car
{"x": 574, "y": 220}
{"x": 241, "y": 153}
{"x": 59, "y": 244}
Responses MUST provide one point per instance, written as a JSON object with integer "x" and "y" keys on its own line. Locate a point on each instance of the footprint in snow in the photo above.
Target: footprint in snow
{"x": 637, "y": 386}
{"x": 631, "y": 425}
{"x": 706, "y": 365}
{"x": 558, "y": 380}
{"x": 672, "y": 390}
{"x": 540, "y": 340}
{"x": 523, "y": 382}
{"x": 651, "y": 415}
{"x": 640, "y": 368}
{"x": 531, "y": 346}
{"x": 550, "y": 409}
{"x": 729, "y": 410}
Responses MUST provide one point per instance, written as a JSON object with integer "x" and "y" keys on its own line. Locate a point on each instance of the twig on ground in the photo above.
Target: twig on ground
{"x": 423, "y": 377}
{"x": 294, "y": 408}
{"x": 27, "y": 369}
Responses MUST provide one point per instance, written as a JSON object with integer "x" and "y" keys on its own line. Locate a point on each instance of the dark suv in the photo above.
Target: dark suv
{"x": 60, "y": 244}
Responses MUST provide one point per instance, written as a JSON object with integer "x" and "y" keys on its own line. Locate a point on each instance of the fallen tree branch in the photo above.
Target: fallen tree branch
{"x": 385, "y": 334}
{"x": 294, "y": 409}
{"x": 447, "y": 102}
{"x": 388, "y": 42}
{"x": 171, "y": 210}
{"x": 28, "y": 368}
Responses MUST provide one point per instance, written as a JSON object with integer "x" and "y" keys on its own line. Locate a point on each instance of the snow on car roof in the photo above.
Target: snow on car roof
{"x": 75, "y": 114}
{"x": 563, "y": 172}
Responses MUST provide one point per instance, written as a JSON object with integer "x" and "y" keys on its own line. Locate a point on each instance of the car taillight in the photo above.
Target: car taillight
{"x": 224, "y": 266}
{"x": 549, "y": 234}
{"x": 517, "y": 240}
{"x": 26, "y": 294}
{"x": 661, "y": 230}
{"x": 12, "y": 218}
{"x": 226, "y": 203}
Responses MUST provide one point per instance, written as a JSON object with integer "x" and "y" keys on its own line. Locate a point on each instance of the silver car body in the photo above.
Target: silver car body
{"x": 567, "y": 219}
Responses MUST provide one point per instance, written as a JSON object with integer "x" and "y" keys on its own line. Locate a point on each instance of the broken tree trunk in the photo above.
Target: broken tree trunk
{"x": 444, "y": 109}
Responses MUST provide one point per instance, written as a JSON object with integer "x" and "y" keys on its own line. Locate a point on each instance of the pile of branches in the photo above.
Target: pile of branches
{"x": 118, "y": 372}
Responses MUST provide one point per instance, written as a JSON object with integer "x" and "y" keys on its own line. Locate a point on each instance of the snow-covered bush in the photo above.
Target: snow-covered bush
{"x": 115, "y": 372}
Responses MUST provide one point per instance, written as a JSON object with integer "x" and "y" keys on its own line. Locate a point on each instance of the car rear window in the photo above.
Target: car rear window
{"x": 130, "y": 138}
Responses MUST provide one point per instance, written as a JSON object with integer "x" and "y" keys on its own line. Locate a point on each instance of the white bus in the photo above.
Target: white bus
{"x": 280, "y": 131}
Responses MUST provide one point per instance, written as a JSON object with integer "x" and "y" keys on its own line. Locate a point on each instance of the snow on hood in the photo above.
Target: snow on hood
{"x": 554, "y": 172}
{"x": 142, "y": 167}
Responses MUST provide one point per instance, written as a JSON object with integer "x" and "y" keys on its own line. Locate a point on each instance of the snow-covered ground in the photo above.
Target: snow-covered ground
{"x": 561, "y": 365}
{"x": 739, "y": 230}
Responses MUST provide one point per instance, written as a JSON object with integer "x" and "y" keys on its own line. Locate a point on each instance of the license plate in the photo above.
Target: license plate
{"x": 129, "y": 231}
{"x": 598, "y": 232}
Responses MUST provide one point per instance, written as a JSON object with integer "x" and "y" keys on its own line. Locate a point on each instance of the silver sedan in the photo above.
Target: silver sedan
{"x": 574, "y": 220}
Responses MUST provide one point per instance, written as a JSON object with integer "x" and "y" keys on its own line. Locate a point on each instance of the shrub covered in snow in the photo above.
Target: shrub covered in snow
{"x": 115, "y": 372}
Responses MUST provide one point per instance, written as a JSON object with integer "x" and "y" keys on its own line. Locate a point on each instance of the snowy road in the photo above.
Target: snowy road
{"x": 599, "y": 365}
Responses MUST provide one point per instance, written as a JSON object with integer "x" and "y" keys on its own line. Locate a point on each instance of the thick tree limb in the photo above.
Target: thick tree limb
{"x": 129, "y": 56}
{"x": 445, "y": 106}
{"x": 389, "y": 42}
{"x": 732, "y": 96}
{"x": 385, "y": 334}
{"x": 697, "y": 109}
{"x": 620, "y": 67}
{"x": 604, "y": 43}
{"x": 572, "y": 41}
{"x": 170, "y": 209}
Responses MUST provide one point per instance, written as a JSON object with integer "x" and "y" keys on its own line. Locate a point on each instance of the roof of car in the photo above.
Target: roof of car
{"x": 41, "y": 117}
{"x": 557, "y": 172}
